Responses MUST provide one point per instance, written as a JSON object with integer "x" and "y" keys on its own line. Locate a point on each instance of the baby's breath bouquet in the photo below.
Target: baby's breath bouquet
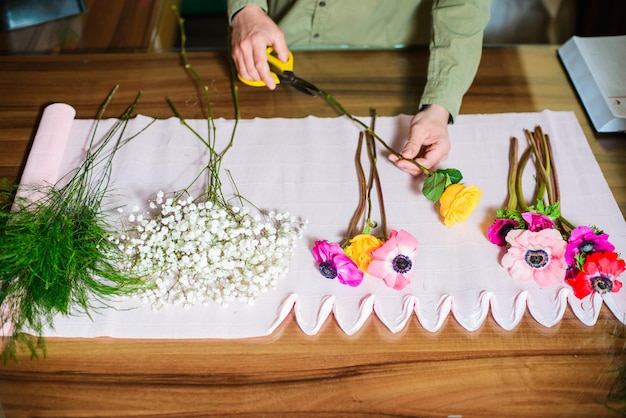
{"x": 55, "y": 253}
{"x": 195, "y": 248}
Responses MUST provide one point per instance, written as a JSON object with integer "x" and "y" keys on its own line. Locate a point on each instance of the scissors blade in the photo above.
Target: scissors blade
{"x": 298, "y": 83}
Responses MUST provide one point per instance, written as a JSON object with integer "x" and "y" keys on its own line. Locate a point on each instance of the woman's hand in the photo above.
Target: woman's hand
{"x": 428, "y": 142}
{"x": 252, "y": 32}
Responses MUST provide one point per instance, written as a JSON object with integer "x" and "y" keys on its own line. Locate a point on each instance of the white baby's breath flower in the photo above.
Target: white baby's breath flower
{"x": 198, "y": 252}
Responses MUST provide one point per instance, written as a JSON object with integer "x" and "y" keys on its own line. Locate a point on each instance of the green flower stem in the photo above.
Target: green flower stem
{"x": 542, "y": 140}
{"x": 540, "y": 170}
{"x": 214, "y": 185}
{"x": 518, "y": 180}
{"x": 213, "y": 167}
{"x": 541, "y": 149}
{"x": 567, "y": 223}
{"x": 537, "y": 143}
{"x": 330, "y": 99}
{"x": 235, "y": 91}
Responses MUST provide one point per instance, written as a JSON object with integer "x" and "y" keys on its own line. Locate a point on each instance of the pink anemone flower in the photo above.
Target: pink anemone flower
{"x": 497, "y": 232}
{"x": 585, "y": 240}
{"x": 537, "y": 221}
{"x": 393, "y": 261}
{"x": 333, "y": 263}
{"x": 537, "y": 256}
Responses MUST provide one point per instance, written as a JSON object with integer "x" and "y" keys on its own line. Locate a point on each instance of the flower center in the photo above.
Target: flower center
{"x": 401, "y": 264}
{"x": 537, "y": 258}
{"x": 328, "y": 269}
{"x": 586, "y": 247}
{"x": 505, "y": 230}
{"x": 602, "y": 284}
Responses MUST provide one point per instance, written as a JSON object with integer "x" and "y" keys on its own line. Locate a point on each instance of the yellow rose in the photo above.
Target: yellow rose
{"x": 360, "y": 248}
{"x": 458, "y": 202}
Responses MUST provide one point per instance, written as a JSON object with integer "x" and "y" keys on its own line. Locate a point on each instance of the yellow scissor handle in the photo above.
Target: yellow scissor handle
{"x": 274, "y": 62}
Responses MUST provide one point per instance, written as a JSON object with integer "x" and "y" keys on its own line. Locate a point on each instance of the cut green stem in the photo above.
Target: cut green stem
{"x": 333, "y": 102}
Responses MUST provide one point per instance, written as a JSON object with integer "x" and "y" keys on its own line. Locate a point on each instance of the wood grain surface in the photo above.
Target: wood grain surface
{"x": 531, "y": 371}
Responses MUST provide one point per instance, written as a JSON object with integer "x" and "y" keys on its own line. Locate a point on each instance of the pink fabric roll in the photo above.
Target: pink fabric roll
{"x": 46, "y": 155}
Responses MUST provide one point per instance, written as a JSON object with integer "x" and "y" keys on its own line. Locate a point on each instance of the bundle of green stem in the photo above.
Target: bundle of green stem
{"x": 213, "y": 191}
{"x": 547, "y": 193}
{"x": 55, "y": 253}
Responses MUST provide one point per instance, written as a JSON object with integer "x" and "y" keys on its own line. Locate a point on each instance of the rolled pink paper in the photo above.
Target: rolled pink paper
{"x": 46, "y": 155}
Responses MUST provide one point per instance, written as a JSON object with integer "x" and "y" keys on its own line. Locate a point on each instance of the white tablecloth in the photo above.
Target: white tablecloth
{"x": 305, "y": 166}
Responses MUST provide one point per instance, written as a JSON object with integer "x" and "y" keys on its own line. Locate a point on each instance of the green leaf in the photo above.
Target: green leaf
{"x": 434, "y": 185}
{"x": 538, "y": 207}
{"x": 596, "y": 230}
{"x": 552, "y": 211}
{"x": 579, "y": 261}
{"x": 453, "y": 174}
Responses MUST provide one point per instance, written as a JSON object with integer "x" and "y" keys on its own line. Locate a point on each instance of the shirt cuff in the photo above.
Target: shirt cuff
{"x": 234, "y": 6}
{"x": 441, "y": 95}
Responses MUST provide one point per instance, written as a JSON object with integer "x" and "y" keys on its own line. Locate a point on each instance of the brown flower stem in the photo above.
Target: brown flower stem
{"x": 538, "y": 142}
{"x": 512, "y": 204}
{"x": 358, "y": 213}
{"x": 375, "y": 177}
{"x": 371, "y": 156}
{"x": 556, "y": 190}
{"x": 333, "y": 102}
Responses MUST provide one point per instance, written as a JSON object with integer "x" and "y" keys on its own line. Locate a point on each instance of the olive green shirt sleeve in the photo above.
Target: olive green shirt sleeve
{"x": 233, "y": 6}
{"x": 455, "y": 51}
{"x": 455, "y": 40}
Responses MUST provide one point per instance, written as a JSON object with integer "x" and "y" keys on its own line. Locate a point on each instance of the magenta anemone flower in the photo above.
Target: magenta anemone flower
{"x": 536, "y": 221}
{"x": 333, "y": 263}
{"x": 585, "y": 240}
{"x": 498, "y": 230}
{"x": 599, "y": 274}
{"x": 393, "y": 261}
{"x": 537, "y": 256}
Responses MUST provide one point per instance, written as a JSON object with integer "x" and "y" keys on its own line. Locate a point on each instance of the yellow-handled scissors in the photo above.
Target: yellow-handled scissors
{"x": 282, "y": 72}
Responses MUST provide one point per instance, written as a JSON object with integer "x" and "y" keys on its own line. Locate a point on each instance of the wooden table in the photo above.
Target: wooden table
{"x": 531, "y": 371}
